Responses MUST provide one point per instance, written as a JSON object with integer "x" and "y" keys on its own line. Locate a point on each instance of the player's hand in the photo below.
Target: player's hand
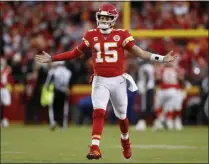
{"x": 44, "y": 58}
{"x": 169, "y": 57}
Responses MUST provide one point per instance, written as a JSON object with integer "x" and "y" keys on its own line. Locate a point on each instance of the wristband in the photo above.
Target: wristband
{"x": 157, "y": 58}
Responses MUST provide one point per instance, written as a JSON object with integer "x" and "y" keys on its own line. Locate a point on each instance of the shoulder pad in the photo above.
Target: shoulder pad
{"x": 120, "y": 30}
{"x": 91, "y": 30}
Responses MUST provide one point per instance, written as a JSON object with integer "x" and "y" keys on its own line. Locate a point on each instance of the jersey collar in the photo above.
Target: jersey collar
{"x": 106, "y": 31}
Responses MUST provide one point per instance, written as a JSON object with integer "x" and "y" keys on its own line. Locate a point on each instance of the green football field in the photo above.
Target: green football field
{"x": 37, "y": 144}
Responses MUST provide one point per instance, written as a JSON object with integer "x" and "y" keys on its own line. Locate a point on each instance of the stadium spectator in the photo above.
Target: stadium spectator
{"x": 59, "y": 76}
{"x": 146, "y": 85}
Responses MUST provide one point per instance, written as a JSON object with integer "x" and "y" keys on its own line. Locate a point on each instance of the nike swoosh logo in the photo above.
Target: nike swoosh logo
{"x": 122, "y": 82}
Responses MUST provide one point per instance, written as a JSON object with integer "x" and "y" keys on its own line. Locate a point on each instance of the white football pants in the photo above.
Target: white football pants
{"x": 5, "y": 97}
{"x": 113, "y": 88}
{"x": 169, "y": 99}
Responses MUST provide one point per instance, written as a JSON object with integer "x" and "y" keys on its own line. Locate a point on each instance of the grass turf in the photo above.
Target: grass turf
{"x": 35, "y": 144}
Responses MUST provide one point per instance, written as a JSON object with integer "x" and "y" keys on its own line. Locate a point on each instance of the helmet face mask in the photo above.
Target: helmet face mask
{"x": 106, "y": 16}
{"x": 105, "y": 22}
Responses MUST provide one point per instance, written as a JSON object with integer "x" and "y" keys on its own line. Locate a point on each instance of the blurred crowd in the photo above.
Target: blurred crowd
{"x": 32, "y": 27}
{"x": 58, "y": 26}
{"x": 169, "y": 15}
{"x": 193, "y": 52}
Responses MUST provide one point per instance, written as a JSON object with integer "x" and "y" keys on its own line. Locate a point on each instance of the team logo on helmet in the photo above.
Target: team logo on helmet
{"x": 116, "y": 38}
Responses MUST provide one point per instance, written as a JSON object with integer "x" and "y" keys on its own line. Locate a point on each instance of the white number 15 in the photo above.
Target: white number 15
{"x": 107, "y": 51}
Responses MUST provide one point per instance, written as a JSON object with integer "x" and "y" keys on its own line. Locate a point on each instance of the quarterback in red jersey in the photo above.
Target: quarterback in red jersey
{"x": 109, "y": 81}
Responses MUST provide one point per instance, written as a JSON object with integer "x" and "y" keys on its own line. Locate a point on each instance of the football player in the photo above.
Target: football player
{"x": 5, "y": 95}
{"x": 109, "y": 80}
{"x": 170, "y": 97}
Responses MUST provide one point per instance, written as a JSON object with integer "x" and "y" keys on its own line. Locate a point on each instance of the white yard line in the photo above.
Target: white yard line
{"x": 18, "y": 161}
{"x": 168, "y": 147}
{"x": 25, "y": 161}
{"x": 3, "y": 143}
{"x": 12, "y": 152}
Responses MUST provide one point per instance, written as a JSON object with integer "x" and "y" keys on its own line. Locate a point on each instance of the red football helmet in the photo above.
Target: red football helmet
{"x": 106, "y": 10}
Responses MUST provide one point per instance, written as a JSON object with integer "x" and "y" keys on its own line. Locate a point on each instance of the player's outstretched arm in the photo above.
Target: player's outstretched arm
{"x": 46, "y": 58}
{"x": 138, "y": 52}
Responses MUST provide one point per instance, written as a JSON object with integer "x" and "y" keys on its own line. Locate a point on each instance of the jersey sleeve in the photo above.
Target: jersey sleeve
{"x": 86, "y": 39}
{"x": 128, "y": 41}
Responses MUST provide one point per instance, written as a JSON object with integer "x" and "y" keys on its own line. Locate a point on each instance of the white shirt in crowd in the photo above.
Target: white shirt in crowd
{"x": 60, "y": 76}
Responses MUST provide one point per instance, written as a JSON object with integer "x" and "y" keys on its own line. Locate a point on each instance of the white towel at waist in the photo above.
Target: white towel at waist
{"x": 133, "y": 87}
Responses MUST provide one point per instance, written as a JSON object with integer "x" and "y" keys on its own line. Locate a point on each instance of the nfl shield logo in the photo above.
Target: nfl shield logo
{"x": 116, "y": 38}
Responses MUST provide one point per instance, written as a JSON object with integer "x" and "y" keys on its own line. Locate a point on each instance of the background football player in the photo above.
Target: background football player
{"x": 109, "y": 81}
{"x": 146, "y": 84}
{"x": 6, "y": 78}
{"x": 170, "y": 97}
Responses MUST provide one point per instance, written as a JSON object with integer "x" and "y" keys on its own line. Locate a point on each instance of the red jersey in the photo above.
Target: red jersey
{"x": 170, "y": 77}
{"x": 5, "y": 76}
{"x": 108, "y": 50}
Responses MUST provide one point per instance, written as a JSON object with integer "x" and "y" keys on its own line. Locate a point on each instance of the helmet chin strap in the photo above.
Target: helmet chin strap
{"x": 105, "y": 27}
{"x": 106, "y": 31}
